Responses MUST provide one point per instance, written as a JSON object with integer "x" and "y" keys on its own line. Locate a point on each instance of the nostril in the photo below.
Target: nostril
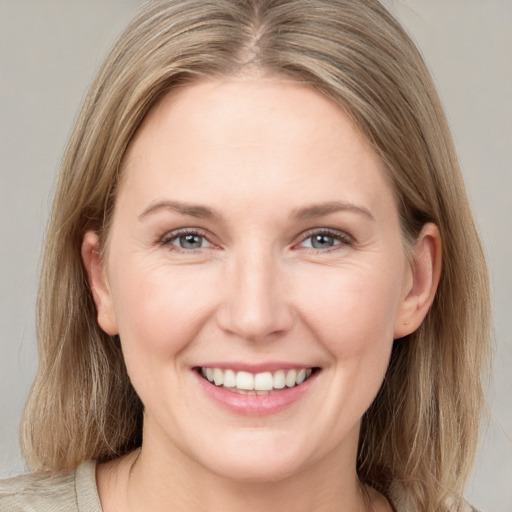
{"x": 255, "y": 322}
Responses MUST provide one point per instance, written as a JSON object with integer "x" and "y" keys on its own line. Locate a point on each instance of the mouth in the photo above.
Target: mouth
{"x": 263, "y": 383}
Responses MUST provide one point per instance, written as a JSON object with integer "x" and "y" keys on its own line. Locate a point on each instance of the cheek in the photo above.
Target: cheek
{"x": 355, "y": 325}
{"x": 353, "y": 312}
{"x": 159, "y": 311}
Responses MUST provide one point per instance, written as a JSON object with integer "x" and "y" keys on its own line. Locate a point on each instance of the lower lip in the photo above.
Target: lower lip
{"x": 256, "y": 405}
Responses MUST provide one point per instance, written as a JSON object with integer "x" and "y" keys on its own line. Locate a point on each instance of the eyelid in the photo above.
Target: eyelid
{"x": 342, "y": 236}
{"x": 169, "y": 236}
{"x": 175, "y": 233}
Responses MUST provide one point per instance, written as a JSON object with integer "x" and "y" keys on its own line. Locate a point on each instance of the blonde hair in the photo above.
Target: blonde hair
{"x": 421, "y": 430}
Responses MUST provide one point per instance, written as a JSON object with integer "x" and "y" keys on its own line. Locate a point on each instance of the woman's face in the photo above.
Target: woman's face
{"x": 255, "y": 241}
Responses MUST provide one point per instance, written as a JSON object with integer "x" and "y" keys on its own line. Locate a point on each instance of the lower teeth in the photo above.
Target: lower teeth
{"x": 249, "y": 391}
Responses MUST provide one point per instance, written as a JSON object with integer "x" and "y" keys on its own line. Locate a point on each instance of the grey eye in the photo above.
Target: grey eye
{"x": 323, "y": 241}
{"x": 190, "y": 241}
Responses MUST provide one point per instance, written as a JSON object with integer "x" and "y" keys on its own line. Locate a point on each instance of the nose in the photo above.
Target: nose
{"x": 255, "y": 305}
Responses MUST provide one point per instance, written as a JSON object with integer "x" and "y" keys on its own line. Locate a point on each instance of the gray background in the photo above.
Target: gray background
{"x": 49, "y": 51}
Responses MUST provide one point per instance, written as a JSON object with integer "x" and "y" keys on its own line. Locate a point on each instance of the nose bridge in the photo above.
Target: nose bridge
{"x": 255, "y": 304}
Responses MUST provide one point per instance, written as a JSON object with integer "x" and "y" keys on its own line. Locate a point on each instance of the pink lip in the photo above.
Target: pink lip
{"x": 253, "y": 367}
{"x": 255, "y": 405}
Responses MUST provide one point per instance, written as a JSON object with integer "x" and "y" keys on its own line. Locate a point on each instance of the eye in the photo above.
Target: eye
{"x": 323, "y": 240}
{"x": 189, "y": 241}
{"x": 186, "y": 240}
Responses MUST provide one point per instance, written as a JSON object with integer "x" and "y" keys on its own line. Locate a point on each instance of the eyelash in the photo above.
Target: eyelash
{"x": 168, "y": 239}
{"x": 341, "y": 237}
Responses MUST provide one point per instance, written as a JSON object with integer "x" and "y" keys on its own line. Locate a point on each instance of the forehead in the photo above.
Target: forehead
{"x": 254, "y": 136}
{"x": 257, "y": 104}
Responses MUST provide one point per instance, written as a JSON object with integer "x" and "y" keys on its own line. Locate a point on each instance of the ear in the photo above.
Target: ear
{"x": 91, "y": 256}
{"x": 425, "y": 272}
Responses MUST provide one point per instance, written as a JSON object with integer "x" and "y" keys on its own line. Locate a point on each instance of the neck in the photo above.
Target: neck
{"x": 161, "y": 477}
{"x": 178, "y": 484}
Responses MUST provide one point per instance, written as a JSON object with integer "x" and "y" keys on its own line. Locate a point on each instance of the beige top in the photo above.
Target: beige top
{"x": 76, "y": 491}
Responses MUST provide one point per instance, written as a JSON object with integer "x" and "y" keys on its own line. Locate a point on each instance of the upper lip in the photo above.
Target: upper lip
{"x": 254, "y": 367}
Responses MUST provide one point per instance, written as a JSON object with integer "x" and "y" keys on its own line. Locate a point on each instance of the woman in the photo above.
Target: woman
{"x": 253, "y": 292}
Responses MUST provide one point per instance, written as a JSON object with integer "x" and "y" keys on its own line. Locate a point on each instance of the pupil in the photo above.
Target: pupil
{"x": 322, "y": 241}
{"x": 190, "y": 241}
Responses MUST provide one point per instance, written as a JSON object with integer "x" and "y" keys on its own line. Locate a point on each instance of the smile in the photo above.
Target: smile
{"x": 263, "y": 383}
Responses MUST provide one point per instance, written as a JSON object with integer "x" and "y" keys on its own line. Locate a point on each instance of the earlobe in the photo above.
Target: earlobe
{"x": 91, "y": 256}
{"x": 426, "y": 271}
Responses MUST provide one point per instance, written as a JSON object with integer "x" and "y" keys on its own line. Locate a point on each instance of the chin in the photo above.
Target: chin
{"x": 257, "y": 470}
{"x": 258, "y": 458}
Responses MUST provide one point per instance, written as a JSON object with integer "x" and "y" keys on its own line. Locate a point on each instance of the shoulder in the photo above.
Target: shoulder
{"x": 38, "y": 492}
{"x": 72, "y": 491}
{"x": 402, "y": 501}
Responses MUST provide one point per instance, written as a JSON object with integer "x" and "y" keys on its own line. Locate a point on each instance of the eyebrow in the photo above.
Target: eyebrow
{"x": 203, "y": 212}
{"x": 319, "y": 210}
{"x": 192, "y": 210}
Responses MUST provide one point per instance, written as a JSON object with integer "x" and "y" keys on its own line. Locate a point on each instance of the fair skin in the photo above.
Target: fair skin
{"x": 254, "y": 231}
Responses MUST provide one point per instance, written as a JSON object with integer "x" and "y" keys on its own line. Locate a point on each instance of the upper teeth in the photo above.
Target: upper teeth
{"x": 265, "y": 381}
